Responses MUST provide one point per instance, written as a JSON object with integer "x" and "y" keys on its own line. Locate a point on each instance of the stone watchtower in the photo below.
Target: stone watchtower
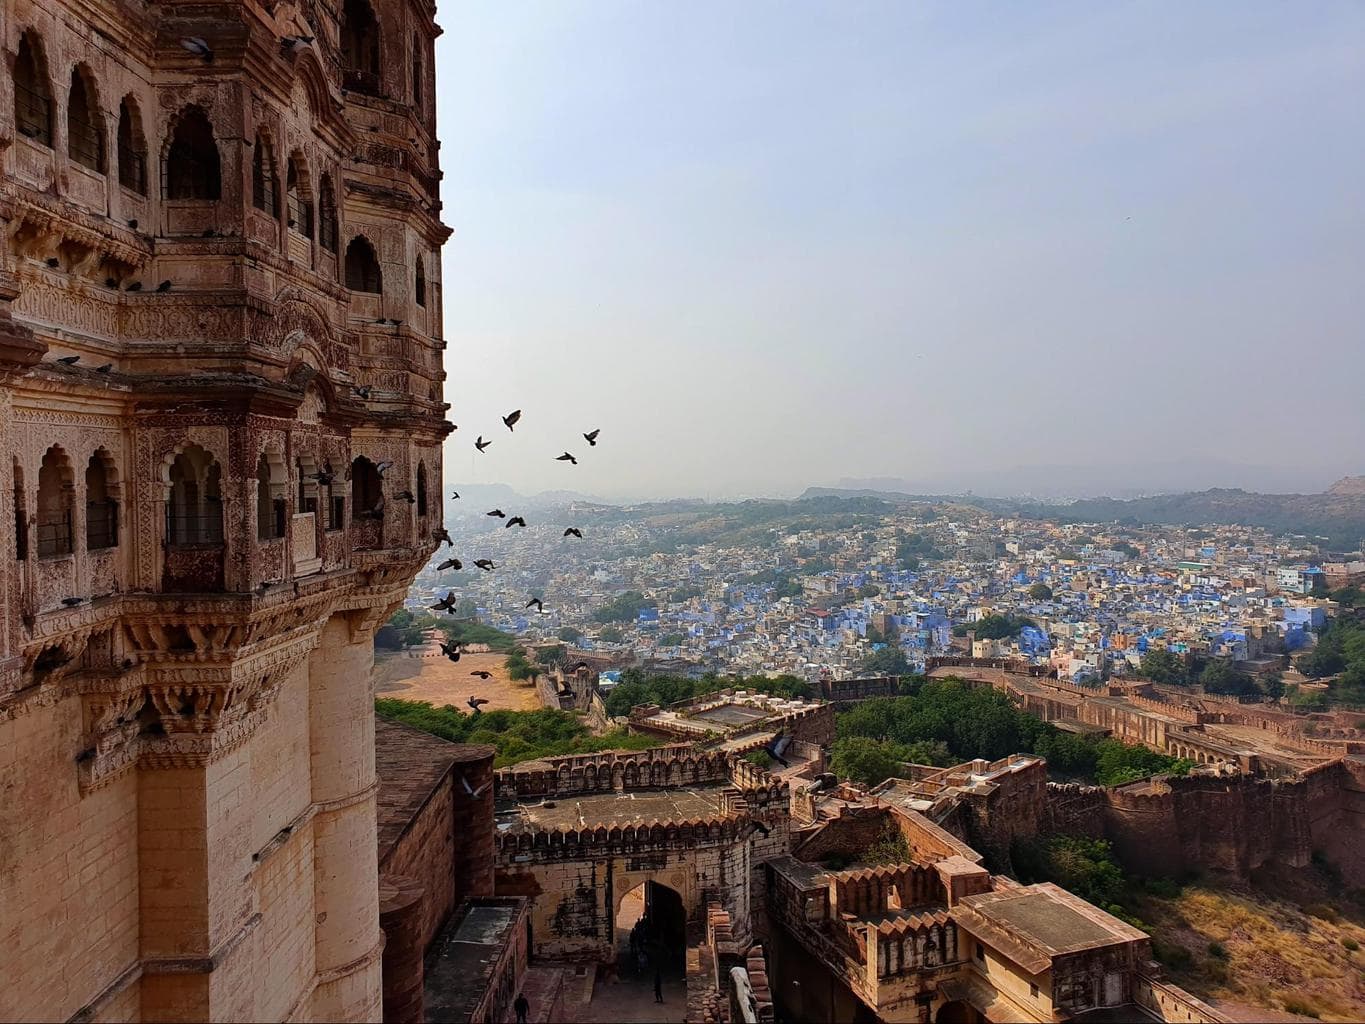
{"x": 220, "y": 464}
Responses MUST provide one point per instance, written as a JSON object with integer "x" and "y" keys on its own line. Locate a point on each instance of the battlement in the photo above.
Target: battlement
{"x": 620, "y": 840}
{"x": 677, "y": 765}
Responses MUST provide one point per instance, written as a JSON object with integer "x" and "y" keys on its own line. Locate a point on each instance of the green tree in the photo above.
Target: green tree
{"x": 865, "y": 760}
{"x": 1161, "y": 666}
{"x": 518, "y": 667}
{"x": 1040, "y": 592}
{"x": 623, "y": 608}
{"x": 674, "y": 639}
{"x": 1349, "y": 597}
{"x": 997, "y": 626}
{"x": 569, "y": 635}
{"x": 889, "y": 661}
{"x": 1220, "y": 676}
{"x": 610, "y": 635}
{"x": 869, "y": 590}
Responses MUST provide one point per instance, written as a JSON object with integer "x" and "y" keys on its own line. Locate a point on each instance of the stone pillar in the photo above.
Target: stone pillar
{"x": 400, "y": 916}
{"x": 345, "y": 853}
{"x": 195, "y": 900}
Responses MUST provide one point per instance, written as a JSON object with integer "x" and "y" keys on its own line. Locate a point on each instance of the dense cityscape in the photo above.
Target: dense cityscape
{"x": 840, "y": 587}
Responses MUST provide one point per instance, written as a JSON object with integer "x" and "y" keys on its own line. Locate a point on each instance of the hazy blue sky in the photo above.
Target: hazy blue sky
{"x": 767, "y": 245}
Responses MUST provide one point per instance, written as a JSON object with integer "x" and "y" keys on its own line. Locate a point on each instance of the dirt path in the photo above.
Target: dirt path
{"x": 423, "y": 673}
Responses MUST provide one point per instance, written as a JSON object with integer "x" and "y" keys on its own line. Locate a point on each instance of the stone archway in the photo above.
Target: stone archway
{"x": 651, "y": 930}
{"x": 958, "y": 1011}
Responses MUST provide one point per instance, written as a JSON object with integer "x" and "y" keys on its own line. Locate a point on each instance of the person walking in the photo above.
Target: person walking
{"x": 658, "y": 987}
{"x": 522, "y": 1007}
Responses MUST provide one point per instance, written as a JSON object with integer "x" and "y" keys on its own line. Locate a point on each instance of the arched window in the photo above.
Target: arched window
{"x": 419, "y": 288}
{"x": 32, "y": 92}
{"x": 366, "y": 487}
{"x": 132, "y": 148}
{"x": 101, "y": 507}
{"x": 194, "y": 502}
{"x": 55, "y": 488}
{"x": 20, "y": 515}
{"x": 327, "y": 215}
{"x": 421, "y": 489}
{"x": 84, "y": 126}
{"x": 362, "y": 268}
{"x": 416, "y": 71}
{"x": 263, "y": 178}
{"x": 360, "y": 47}
{"x": 300, "y": 199}
{"x": 193, "y": 170}
{"x": 270, "y": 503}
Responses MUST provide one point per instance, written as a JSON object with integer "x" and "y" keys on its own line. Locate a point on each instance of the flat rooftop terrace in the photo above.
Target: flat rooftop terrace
{"x": 732, "y": 715}
{"x": 463, "y": 958}
{"x": 1047, "y": 919}
{"x": 633, "y": 807}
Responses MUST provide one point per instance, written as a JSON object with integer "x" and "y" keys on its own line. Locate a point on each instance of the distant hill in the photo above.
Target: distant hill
{"x": 1337, "y": 514}
{"x": 480, "y": 497}
{"x": 1350, "y": 486}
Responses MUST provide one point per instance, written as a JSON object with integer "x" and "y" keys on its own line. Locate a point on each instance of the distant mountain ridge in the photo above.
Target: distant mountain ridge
{"x": 1337, "y": 514}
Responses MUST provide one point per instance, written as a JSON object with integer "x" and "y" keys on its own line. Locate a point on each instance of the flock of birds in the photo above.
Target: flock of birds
{"x": 448, "y": 603}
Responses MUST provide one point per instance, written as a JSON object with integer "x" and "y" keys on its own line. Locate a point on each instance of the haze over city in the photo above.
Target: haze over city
{"x": 1065, "y": 249}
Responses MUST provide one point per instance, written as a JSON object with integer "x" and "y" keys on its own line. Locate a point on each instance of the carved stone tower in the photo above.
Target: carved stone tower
{"x": 220, "y": 463}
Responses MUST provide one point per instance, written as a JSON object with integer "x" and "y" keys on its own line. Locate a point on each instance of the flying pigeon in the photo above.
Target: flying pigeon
{"x": 511, "y": 418}
{"x": 497, "y": 513}
{"x": 451, "y": 651}
{"x": 322, "y": 476}
{"x": 198, "y": 47}
{"x": 591, "y": 436}
{"x": 514, "y": 521}
{"x": 539, "y": 606}
{"x": 363, "y": 391}
{"x": 405, "y": 496}
{"x": 442, "y": 534}
{"x": 450, "y": 563}
{"x": 445, "y": 603}
{"x": 476, "y": 703}
{"x": 481, "y": 444}
{"x": 294, "y": 45}
{"x": 566, "y": 692}
{"x": 482, "y": 675}
{"x": 383, "y": 467}
{"x": 574, "y": 531}
{"x": 455, "y": 496}
{"x": 566, "y": 457}
{"x": 486, "y": 564}
{"x": 774, "y": 748}
{"x": 465, "y": 782}
{"x": 69, "y": 360}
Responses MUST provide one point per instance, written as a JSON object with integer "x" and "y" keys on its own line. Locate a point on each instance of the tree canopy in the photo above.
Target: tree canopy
{"x": 517, "y": 735}
{"x": 1040, "y": 592}
{"x": 997, "y": 625}
{"x": 637, "y": 688}
{"x": 623, "y": 608}
{"x": 889, "y": 661}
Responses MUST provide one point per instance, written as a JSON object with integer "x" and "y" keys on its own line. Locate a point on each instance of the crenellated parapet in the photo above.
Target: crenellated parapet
{"x": 616, "y": 840}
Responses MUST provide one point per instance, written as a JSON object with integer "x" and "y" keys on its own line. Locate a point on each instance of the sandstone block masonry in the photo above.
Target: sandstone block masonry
{"x": 220, "y": 363}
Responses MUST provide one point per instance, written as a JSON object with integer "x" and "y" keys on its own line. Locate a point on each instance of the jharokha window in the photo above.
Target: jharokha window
{"x": 55, "y": 490}
{"x": 327, "y": 216}
{"x": 300, "y": 200}
{"x": 32, "y": 93}
{"x": 362, "y": 268}
{"x": 101, "y": 507}
{"x": 193, "y": 168}
{"x": 194, "y": 502}
{"x": 132, "y": 148}
{"x": 263, "y": 178}
{"x": 84, "y": 125}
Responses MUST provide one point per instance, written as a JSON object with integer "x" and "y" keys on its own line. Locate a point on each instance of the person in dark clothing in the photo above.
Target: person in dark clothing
{"x": 658, "y": 987}
{"x": 522, "y": 1007}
